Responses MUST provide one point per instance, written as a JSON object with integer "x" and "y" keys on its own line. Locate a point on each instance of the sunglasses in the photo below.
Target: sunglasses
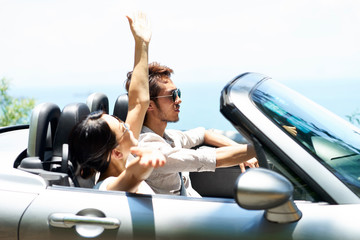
{"x": 123, "y": 124}
{"x": 174, "y": 94}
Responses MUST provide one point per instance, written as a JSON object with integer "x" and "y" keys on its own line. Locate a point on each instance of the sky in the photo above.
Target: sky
{"x": 306, "y": 44}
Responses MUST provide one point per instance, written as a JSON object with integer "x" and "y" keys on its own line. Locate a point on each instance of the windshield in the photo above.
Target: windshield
{"x": 332, "y": 140}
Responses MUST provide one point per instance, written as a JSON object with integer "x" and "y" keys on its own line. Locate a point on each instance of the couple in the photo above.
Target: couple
{"x": 104, "y": 144}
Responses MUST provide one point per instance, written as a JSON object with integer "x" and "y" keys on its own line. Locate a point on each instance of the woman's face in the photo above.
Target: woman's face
{"x": 124, "y": 136}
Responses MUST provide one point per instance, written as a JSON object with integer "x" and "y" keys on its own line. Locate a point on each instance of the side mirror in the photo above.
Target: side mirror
{"x": 262, "y": 189}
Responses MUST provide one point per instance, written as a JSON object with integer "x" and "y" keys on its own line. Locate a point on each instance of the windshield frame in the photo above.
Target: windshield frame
{"x": 238, "y": 108}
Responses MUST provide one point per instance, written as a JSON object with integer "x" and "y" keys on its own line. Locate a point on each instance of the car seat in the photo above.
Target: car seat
{"x": 43, "y": 123}
{"x": 71, "y": 115}
{"x": 98, "y": 101}
{"x": 121, "y": 106}
{"x": 48, "y": 154}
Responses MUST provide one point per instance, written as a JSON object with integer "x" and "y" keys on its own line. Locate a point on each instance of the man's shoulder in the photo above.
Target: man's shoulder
{"x": 147, "y": 132}
{"x": 148, "y": 135}
{"x": 171, "y": 132}
{"x": 191, "y": 133}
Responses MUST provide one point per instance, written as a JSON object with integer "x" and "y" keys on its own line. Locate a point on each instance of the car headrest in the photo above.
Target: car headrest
{"x": 43, "y": 122}
{"x": 121, "y": 106}
{"x": 98, "y": 101}
{"x": 72, "y": 114}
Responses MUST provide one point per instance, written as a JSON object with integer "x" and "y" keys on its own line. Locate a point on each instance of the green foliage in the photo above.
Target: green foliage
{"x": 354, "y": 118}
{"x": 13, "y": 111}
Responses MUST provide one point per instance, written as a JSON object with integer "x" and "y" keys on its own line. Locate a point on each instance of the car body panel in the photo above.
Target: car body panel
{"x": 165, "y": 217}
{"x": 12, "y": 206}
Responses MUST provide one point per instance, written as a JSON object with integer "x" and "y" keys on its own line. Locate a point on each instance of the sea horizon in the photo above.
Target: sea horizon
{"x": 201, "y": 102}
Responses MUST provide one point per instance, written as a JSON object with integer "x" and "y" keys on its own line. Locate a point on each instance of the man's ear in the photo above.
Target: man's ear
{"x": 151, "y": 105}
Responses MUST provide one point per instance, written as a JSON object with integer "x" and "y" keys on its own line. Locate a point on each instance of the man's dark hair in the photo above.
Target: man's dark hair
{"x": 157, "y": 73}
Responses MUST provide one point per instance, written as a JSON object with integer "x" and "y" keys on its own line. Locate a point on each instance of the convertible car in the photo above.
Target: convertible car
{"x": 307, "y": 186}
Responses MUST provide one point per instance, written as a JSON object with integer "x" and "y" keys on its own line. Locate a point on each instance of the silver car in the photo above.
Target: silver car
{"x": 308, "y": 186}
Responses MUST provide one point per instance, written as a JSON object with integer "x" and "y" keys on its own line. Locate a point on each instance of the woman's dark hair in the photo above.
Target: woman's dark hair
{"x": 90, "y": 145}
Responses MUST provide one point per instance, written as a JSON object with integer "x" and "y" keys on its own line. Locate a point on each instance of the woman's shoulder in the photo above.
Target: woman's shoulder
{"x": 102, "y": 185}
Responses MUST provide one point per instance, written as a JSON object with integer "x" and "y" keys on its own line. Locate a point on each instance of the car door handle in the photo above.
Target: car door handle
{"x": 68, "y": 220}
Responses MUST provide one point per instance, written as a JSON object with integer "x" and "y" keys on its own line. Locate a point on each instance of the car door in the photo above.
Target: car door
{"x": 76, "y": 213}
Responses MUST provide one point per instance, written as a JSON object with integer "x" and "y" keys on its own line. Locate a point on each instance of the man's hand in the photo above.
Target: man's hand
{"x": 252, "y": 163}
{"x": 291, "y": 130}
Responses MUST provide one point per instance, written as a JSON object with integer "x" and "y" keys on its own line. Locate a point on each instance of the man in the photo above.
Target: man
{"x": 164, "y": 107}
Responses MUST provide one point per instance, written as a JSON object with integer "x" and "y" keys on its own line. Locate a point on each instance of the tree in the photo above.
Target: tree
{"x": 13, "y": 111}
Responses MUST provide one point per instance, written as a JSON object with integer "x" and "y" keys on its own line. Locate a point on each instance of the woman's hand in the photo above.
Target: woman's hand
{"x": 140, "y": 27}
{"x": 149, "y": 157}
{"x": 147, "y": 160}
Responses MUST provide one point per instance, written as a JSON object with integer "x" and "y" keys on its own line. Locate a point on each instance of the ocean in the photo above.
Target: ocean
{"x": 201, "y": 102}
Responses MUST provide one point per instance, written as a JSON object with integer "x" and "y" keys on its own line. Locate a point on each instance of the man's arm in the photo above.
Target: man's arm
{"x": 236, "y": 154}
{"x": 217, "y": 140}
{"x": 230, "y": 153}
{"x": 139, "y": 97}
{"x": 180, "y": 158}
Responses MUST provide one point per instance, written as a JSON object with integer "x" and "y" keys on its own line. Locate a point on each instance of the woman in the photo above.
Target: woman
{"x": 102, "y": 143}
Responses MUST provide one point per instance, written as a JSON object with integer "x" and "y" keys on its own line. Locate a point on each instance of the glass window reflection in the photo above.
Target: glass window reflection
{"x": 331, "y": 139}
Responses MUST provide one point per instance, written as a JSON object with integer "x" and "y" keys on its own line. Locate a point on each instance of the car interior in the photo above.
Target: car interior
{"x": 47, "y": 154}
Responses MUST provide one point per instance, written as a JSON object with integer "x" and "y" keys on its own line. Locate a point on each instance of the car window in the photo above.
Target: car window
{"x": 330, "y": 139}
{"x": 302, "y": 191}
